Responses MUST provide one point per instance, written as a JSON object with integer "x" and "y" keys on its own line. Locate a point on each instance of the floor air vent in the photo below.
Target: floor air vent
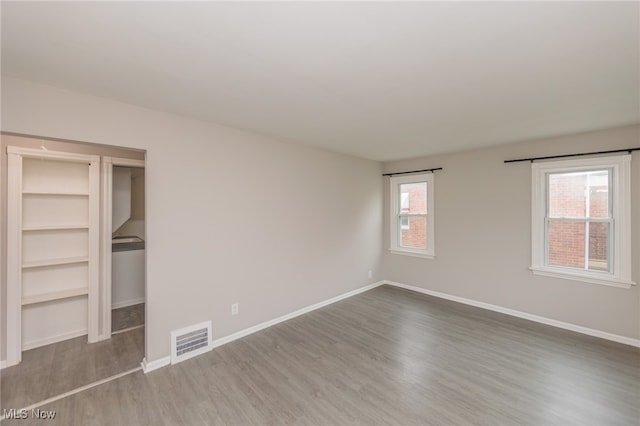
{"x": 190, "y": 341}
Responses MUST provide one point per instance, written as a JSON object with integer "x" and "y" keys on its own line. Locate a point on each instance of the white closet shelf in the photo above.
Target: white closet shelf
{"x": 72, "y": 194}
{"x": 54, "y": 227}
{"x": 53, "y": 262}
{"x": 54, "y": 295}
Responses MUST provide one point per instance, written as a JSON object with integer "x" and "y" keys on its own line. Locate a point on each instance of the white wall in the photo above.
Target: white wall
{"x": 231, "y": 216}
{"x": 121, "y": 204}
{"x": 135, "y": 224}
{"x": 137, "y": 194}
{"x": 483, "y": 235}
{"x": 127, "y": 278}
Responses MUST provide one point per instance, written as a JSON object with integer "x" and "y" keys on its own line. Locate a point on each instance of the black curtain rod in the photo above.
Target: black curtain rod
{"x": 629, "y": 150}
{"x": 413, "y": 171}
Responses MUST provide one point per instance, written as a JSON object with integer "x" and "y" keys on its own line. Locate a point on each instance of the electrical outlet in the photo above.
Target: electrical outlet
{"x": 370, "y": 274}
{"x": 234, "y": 309}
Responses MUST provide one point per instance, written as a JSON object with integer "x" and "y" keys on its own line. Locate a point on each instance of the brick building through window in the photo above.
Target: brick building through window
{"x": 581, "y": 220}
{"x": 413, "y": 202}
{"x": 412, "y": 220}
{"x": 579, "y": 214}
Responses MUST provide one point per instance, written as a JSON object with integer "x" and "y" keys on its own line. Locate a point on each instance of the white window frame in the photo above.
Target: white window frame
{"x": 394, "y": 223}
{"x": 619, "y": 274}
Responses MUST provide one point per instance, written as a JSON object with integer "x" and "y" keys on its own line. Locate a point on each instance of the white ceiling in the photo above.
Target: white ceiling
{"x": 377, "y": 80}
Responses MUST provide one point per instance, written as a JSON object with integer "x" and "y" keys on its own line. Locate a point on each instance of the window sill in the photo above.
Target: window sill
{"x": 609, "y": 281}
{"x": 421, "y": 254}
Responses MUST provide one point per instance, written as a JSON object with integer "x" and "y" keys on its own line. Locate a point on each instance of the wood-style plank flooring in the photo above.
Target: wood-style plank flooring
{"x": 387, "y": 356}
{"x": 54, "y": 369}
{"x": 127, "y": 317}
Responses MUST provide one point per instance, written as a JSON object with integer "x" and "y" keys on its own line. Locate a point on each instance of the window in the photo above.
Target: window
{"x": 581, "y": 220}
{"x": 412, "y": 215}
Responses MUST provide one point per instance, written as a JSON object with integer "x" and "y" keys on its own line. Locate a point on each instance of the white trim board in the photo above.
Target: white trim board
{"x": 531, "y": 317}
{"x": 149, "y": 366}
{"x": 125, "y": 330}
{"x": 162, "y": 362}
{"x": 3, "y": 364}
{"x": 126, "y": 303}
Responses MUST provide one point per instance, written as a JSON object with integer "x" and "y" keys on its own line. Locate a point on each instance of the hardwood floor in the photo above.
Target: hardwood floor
{"x": 127, "y": 317}
{"x": 54, "y": 369}
{"x": 387, "y": 356}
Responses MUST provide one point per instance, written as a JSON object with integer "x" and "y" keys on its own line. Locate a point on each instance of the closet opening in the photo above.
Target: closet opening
{"x": 73, "y": 279}
{"x": 124, "y": 254}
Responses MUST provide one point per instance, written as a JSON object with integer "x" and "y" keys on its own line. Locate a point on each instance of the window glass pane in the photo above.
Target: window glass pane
{"x": 599, "y": 246}
{"x": 416, "y": 234}
{"x": 579, "y": 195}
{"x": 566, "y": 244}
{"x": 598, "y": 195}
{"x": 404, "y": 202}
{"x": 416, "y": 198}
{"x": 404, "y": 222}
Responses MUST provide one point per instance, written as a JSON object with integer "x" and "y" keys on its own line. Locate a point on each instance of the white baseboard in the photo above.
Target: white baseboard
{"x": 531, "y": 317}
{"x": 126, "y": 303}
{"x": 162, "y": 362}
{"x": 53, "y": 339}
{"x": 266, "y": 324}
{"x": 3, "y": 364}
{"x": 148, "y": 367}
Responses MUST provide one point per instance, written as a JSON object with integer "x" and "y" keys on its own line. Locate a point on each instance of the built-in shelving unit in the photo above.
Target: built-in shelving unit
{"x": 53, "y": 245}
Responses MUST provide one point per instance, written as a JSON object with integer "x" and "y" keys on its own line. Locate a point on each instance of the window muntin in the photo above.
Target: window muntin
{"x": 581, "y": 220}
{"x": 411, "y": 222}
